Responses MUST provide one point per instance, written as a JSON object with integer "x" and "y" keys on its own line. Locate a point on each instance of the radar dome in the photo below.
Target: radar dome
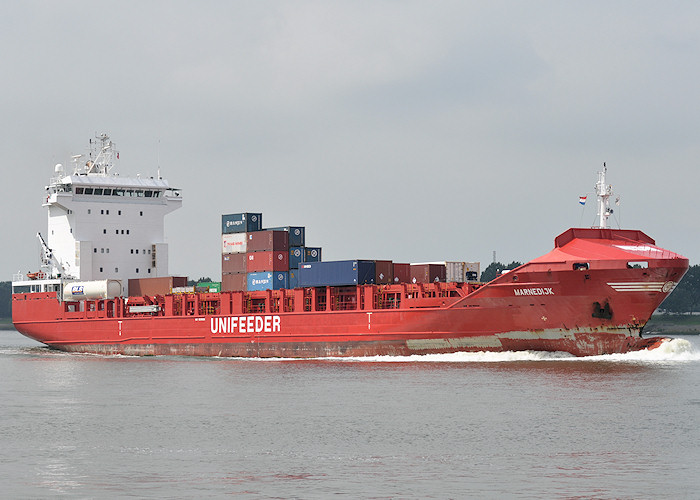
{"x": 58, "y": 168}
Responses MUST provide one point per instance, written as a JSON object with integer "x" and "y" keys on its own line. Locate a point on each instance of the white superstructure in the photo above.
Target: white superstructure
{"x": 103, "y": 226}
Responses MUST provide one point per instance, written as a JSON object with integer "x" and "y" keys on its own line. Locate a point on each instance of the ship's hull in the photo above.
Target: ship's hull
{"x": 574, "y": 299}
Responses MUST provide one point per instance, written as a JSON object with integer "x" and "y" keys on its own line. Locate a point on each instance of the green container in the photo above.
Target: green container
{"x": 213, "y": 286}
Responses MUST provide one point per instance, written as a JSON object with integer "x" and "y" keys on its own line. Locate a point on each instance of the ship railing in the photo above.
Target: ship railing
{"x": 18, "y": 277}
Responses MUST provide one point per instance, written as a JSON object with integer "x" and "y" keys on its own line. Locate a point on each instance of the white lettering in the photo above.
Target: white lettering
{"x": 533, "y": 291}
{"x": 245, "y": 324}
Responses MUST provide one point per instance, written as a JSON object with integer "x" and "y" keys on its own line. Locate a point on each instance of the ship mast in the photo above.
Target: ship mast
{"x": 604, "y": 192}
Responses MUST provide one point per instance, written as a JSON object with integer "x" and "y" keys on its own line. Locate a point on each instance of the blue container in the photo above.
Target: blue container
{"x": 296, "y": 257}
{"x": 297, "y": 236}
{"x": 241, "y": 223}
{"x": 293, "y": 279}
{"x": 336, "y": 273}
{"x": 313, "y": 254}
{"x": 273, "y": 280}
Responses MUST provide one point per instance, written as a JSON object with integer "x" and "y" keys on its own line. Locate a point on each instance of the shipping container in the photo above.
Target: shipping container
{"x": 296, "y": 257}
{"x": 402, "y": 272}
{"x": 241, "y": 223}
{"x": 383, "y": 272}
{"x": 297, "y": 234}
{"x": 234, "y": 243}
{"x": 91, "y": 290}
{"x": 312, "y": 254}
{"x": 234, "y": 282}
{"x": 267, "y": 261}
{"x": 208, "y": 286}
{"x": 336, "y": 273}
{"x": 473, "y": 271}
{"x": 427, "y": 273}
{"x": 455, "y": 272}
{"x": 139, "y": 287}
{"x": 267, "y": 281}
{"x": 293, "y": 280}
{"x": 234, "y": 263}
{"x": 266, "y": 241}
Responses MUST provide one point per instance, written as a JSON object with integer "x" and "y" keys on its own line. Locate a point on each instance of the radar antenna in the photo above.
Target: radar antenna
{"x": 604, "y": 192}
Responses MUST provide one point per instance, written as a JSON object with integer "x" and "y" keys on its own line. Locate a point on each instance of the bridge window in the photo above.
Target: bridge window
{"x": 107, "y": 192}
{"x": 78, "y": 190}
{"x": 638, "y": 264}
{"x": 98, "y": 191}
{"x": 581, "y": 266}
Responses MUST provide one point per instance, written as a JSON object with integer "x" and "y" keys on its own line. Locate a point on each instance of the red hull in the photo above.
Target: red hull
{"x": 583, "y": 298}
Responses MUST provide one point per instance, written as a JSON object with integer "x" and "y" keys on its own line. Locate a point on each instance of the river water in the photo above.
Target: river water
{"x": 515, "y": 425}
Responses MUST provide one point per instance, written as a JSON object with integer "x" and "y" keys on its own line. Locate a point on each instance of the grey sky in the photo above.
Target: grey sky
{"x": 411, "y": 131}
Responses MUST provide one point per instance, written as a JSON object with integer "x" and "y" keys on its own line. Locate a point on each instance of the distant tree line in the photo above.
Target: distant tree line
{"x": 5, "y": 299}
{"x": 685, "y": 299}
{"x": 495, "y": 269}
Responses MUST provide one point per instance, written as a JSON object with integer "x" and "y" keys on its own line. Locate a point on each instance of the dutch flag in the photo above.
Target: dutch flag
{"x": 582, "y": 200}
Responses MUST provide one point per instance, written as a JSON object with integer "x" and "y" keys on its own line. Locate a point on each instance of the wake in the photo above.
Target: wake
{"x": 675, "y": 350}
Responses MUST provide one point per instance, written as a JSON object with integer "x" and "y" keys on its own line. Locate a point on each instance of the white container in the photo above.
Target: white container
{"x": 455, "y": 271}
{"x": 92, "y": 290}
{"x": 234, "y": 243}
{"x": 473, "y": 267}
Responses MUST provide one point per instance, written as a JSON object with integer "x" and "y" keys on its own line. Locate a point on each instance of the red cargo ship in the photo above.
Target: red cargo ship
{"x": 592, "y": 294}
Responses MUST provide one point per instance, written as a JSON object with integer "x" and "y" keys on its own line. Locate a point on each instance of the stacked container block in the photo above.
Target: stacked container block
{"x": 235, "y": 229}
{"x": 254, "y": 258}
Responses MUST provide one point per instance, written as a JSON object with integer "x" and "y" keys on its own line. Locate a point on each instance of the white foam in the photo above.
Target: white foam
{"x": 669, "y": 351}
{"x": 466, "y": 357}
